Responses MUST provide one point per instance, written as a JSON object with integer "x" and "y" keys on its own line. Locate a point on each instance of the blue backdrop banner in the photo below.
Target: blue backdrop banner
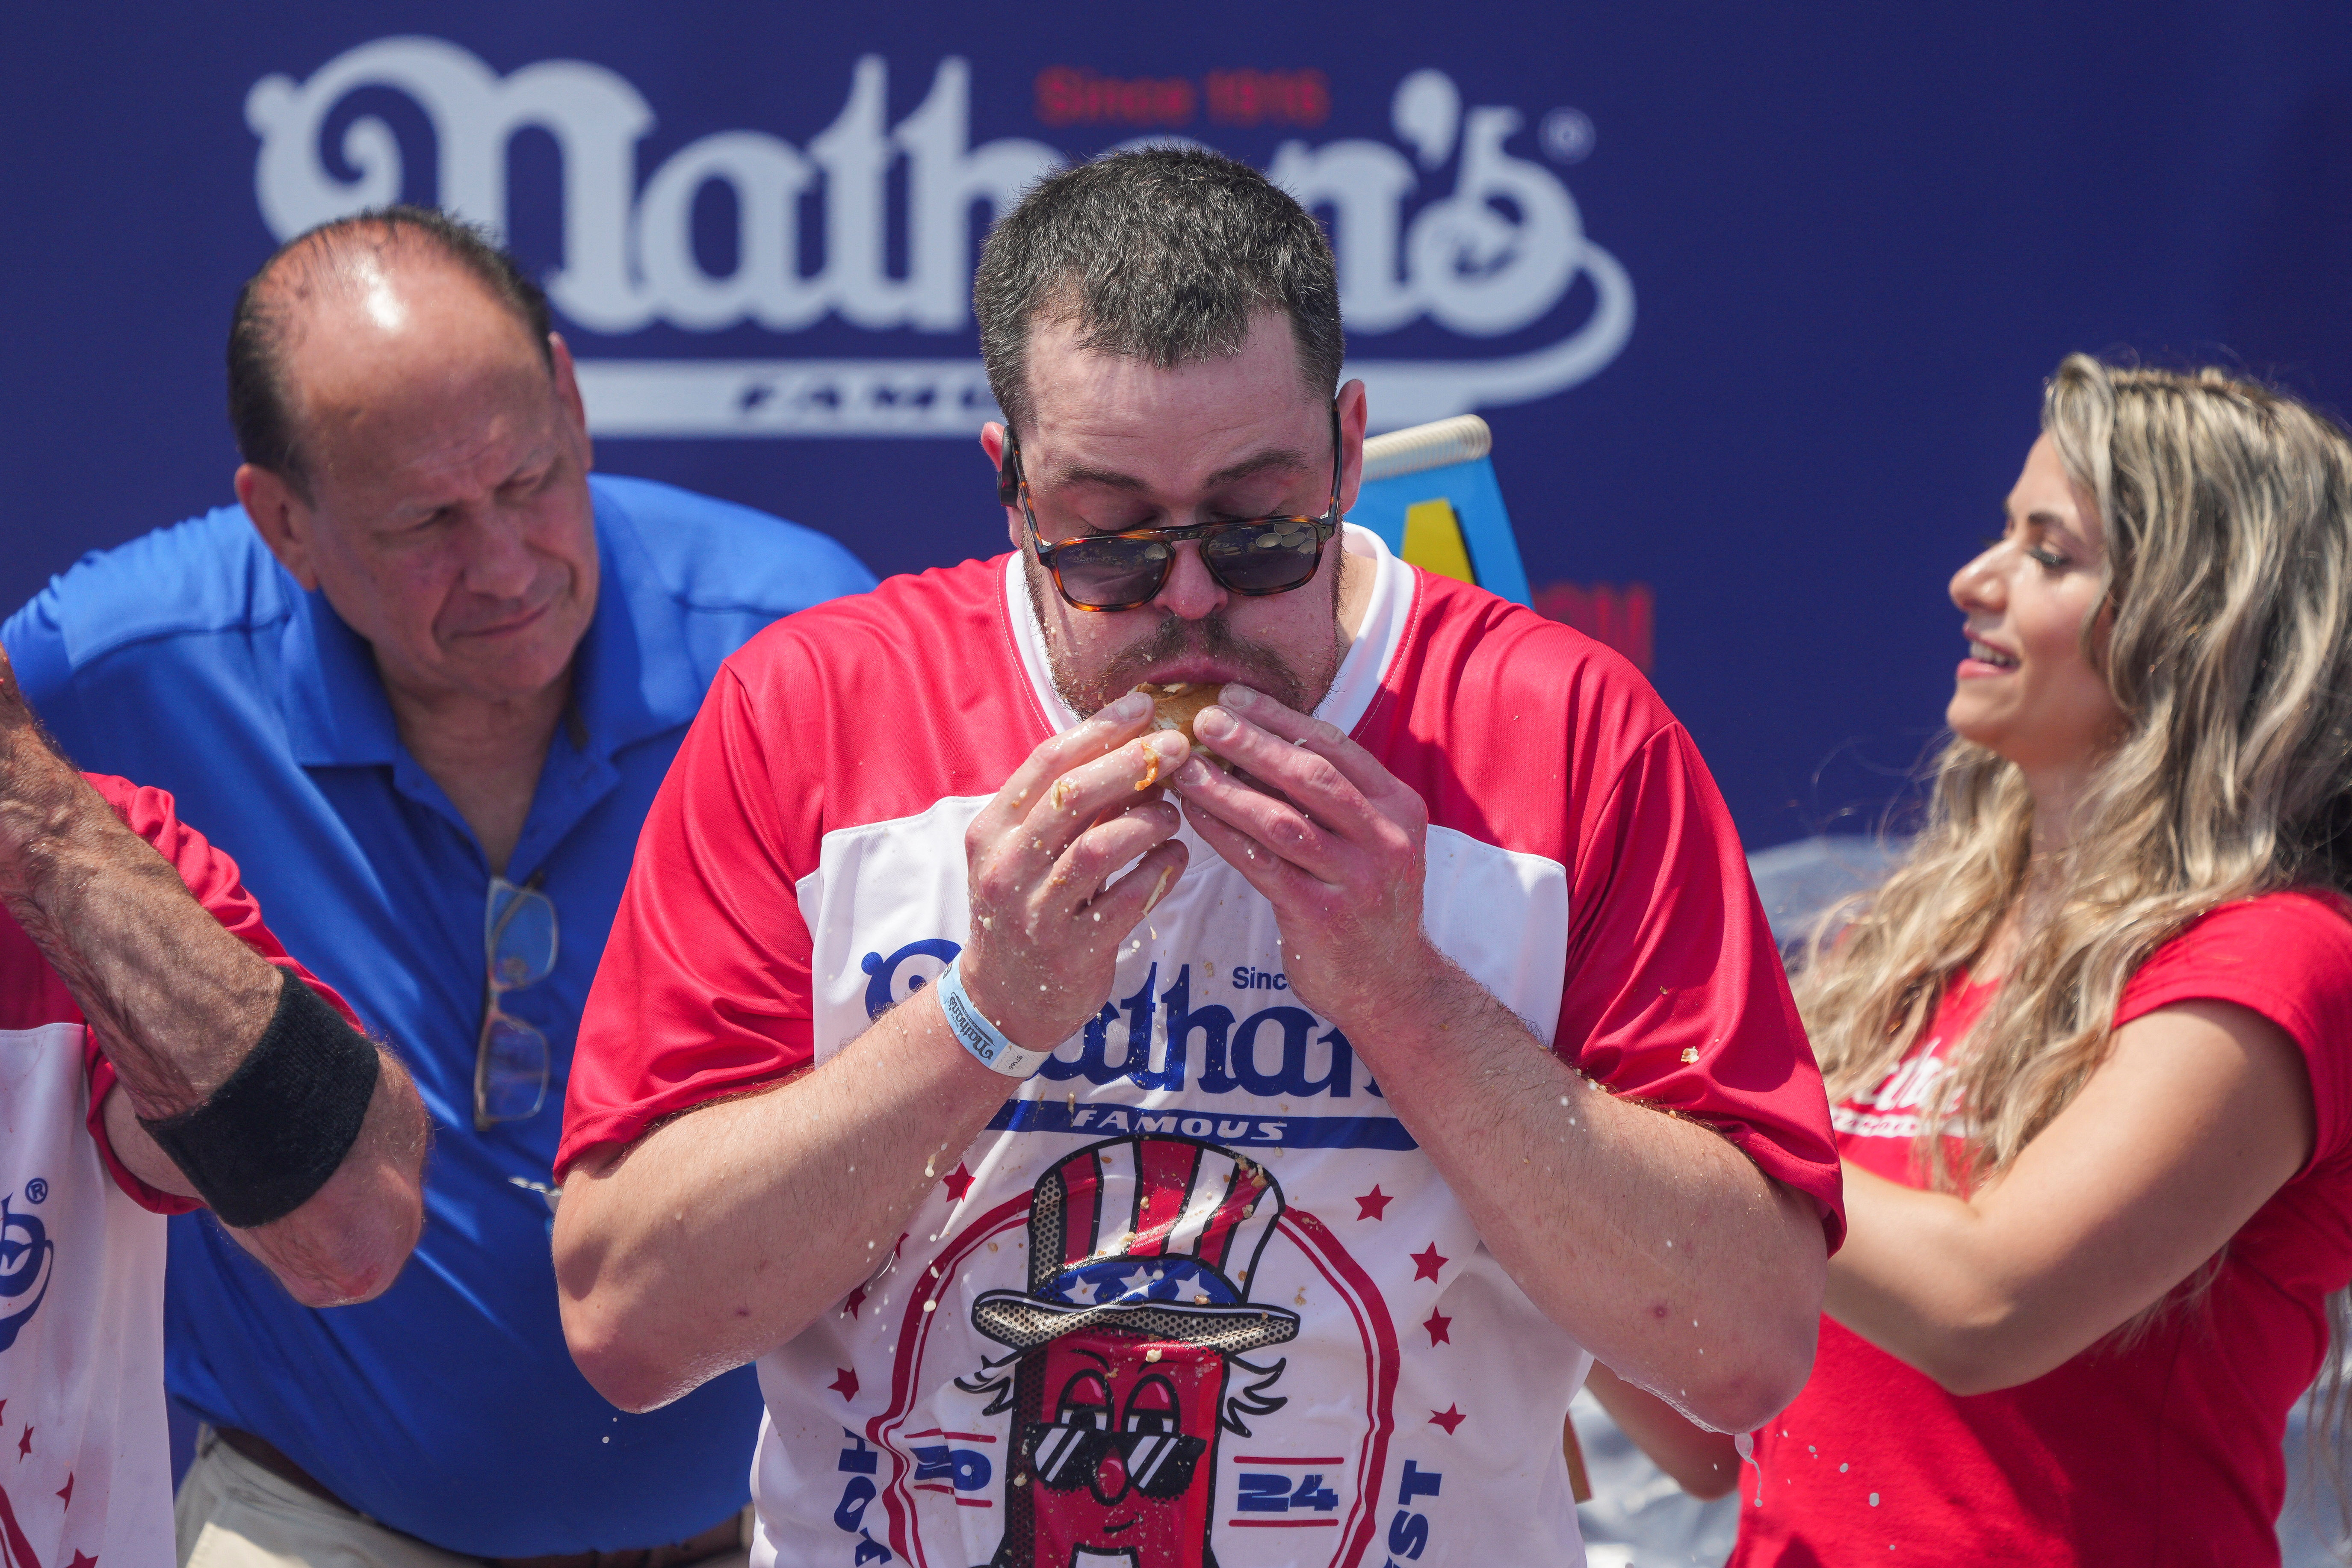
{"x": 1755, "y": 301}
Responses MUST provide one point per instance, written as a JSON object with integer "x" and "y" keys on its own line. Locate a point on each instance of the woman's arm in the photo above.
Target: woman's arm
{"x": 2199, "y": 1114}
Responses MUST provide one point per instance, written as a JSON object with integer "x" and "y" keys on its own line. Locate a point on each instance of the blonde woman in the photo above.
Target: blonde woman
{"x": 2090, "y": 1046}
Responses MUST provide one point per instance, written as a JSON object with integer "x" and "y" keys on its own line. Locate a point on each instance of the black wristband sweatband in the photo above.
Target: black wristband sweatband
{"x": 278, "y": 1128}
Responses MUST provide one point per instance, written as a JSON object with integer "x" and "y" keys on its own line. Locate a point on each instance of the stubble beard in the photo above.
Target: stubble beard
{"x": 1298, "y": 687}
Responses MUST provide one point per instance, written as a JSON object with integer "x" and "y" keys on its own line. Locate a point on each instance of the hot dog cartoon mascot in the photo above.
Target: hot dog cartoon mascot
{"x": 1135, "y": 1322}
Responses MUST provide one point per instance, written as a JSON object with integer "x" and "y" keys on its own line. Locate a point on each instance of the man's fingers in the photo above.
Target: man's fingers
{"x": 1359, "y": 766}
{"x": 1124, "y": 904}
{"x": 1307, "y": 769}
{"x": 1073, "y": 802}
{"x": 1101, "y": 850}
{"x": 1307, "y": 778}
{"x": 1114, "y": 725}
{"x": 1275, "y": 827}
{"x": 1269, "y": 873}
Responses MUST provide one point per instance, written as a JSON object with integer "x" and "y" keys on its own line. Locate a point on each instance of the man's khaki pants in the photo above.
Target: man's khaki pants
{"x": 232, "y": 1513}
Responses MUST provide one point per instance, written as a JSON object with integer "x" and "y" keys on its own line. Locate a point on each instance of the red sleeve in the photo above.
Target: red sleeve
{"x": 704, "y": 987}
{"x": 1675, "y": 994}
{"x": 2287, "y": 956}
{"x": 213, "y": 878}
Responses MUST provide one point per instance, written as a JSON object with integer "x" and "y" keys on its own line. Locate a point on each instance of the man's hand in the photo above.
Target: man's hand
{"x": 1340, "y": 854}
{"x": 1046, "y": 918}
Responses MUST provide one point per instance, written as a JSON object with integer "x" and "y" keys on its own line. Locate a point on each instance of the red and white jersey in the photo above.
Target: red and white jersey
{"x": 1195, "y": 1297}
{"x": 85, "y": 1461}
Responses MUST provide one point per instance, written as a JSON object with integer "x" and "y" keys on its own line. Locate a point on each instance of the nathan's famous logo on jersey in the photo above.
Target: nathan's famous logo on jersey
{"x": 1173, "y": 1032}
{"x": 1452, "y": 228}
{"x": 26, "y": 1259}
{"x": 1119, "y": 1398}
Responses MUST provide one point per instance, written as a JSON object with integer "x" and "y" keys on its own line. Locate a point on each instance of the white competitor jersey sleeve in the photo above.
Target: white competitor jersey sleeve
{"x": 85, "y": 1463}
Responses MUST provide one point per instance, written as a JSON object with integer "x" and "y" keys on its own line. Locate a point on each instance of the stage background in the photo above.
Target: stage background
{"x": 1757, "y": 301}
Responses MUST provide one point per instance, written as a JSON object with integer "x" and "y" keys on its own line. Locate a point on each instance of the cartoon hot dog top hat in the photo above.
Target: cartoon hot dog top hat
{"x": 1147, "y": 1235}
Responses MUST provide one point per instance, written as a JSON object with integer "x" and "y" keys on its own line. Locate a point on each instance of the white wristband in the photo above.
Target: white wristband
{"x": 983, "y": 1039}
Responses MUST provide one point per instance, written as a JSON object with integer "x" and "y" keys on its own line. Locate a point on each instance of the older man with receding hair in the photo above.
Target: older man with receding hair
{"x": 423, "y": 684}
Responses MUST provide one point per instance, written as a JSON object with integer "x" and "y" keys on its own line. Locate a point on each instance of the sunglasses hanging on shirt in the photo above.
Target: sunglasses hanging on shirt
{"x": 510, "y": 1060}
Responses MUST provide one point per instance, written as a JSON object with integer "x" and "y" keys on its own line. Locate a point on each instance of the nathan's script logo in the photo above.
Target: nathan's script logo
{"x": 26, "y": 1259}
{"x": 1156, "y": 1038}
{"x": 1495, "y": 251}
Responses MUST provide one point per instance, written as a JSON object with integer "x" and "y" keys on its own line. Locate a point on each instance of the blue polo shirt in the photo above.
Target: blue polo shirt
{"x": 449, "y": 1406}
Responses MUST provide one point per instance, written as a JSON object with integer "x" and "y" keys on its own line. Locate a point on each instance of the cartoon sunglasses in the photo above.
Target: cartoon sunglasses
{"x": 1067, "y": 1456}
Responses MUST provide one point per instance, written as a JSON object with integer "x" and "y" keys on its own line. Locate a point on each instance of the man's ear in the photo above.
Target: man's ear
{"x": 1355, "y": 414}
{"x": 993, "y": 441}
{"x": 567, "y": 390}
{"x": 282, "y": 518}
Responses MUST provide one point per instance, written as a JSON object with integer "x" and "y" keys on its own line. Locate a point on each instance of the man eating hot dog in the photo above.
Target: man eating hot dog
{"x": 1109, "y": 1158}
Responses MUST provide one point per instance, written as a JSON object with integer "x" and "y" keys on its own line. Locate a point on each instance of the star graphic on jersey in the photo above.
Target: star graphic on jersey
{"x": 25, "y": 1443}
{"x": 847, "y": 1383}
{"x": 958, "y": 1182}
{"x": 856, "y": 1299}
{"x": 66, "y": 1491}
{"x": 82, "y": 1560}
{"x": 1450, "y": 1418}
{"x": 1437, "y": 1325}
{"x": 1136, "y": 1281}
{"x": 1082, "y": 1294}
{"x": 1369, "y": 1205}
{"x": 1425, "y": 1264}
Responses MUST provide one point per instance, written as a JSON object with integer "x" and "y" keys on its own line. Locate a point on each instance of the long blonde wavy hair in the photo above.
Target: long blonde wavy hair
{"x": 2227, "y": 508}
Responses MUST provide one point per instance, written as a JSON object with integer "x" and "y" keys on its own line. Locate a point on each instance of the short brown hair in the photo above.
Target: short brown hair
{"x": 1161, "y": 255}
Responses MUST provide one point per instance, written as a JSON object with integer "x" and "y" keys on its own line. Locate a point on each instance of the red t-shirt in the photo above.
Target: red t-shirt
{"x": 804, "y": 869}
{"x": 2165, "y": 1449}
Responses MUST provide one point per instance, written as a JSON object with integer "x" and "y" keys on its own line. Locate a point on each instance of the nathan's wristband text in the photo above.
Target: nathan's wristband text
{"x": 983, "y": 1039}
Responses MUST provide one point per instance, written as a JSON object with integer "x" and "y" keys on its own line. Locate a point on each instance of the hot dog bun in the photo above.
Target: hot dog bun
{"x": 1175, "y": 705}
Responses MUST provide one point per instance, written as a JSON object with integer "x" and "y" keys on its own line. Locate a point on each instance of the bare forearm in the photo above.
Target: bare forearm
{"x": 1908, "y": 1278}
{"x": 724, "y": 1232}
{"x": 177, "y": 1003}
{"x": 176, "y": 999}
{"x": 1653, "y": 1241}
{"x": 348, "y": 1240}
{"x": 2199, "y": 1114}
{"x": 1937, "y": 1283}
